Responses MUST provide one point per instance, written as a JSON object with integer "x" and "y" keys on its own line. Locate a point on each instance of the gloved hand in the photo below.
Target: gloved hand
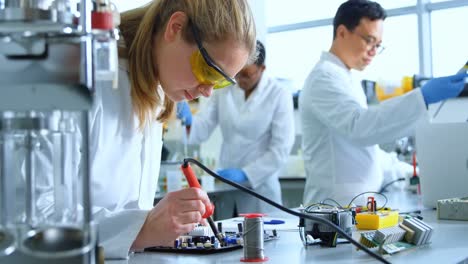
{"x": 183, "y": 113}
{"x": 442, "y": 88}
{"x": 235, "y": 175}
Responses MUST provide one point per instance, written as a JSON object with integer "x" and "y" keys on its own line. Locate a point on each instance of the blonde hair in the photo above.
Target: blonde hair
{"x": 216, "y": 20}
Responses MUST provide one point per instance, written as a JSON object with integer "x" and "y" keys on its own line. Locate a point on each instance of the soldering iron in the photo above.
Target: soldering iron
{"x": 209, "y": 209}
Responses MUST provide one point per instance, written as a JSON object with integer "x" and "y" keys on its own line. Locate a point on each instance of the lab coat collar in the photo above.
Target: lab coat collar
{"x": 123, "y": 66}
{"x": 328, "y": 56}
{"x": 238, "y": 94}
{"x": 263, "y": 82}
{"x": 255, "y": 93}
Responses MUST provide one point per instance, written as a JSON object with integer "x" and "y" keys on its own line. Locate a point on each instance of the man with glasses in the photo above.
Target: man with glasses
{"x": 257, "y": 126}
{"x": 340, "y": 131}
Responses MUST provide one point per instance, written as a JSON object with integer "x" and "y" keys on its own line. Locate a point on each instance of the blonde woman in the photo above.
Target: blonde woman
{"x": 171, "y": 50}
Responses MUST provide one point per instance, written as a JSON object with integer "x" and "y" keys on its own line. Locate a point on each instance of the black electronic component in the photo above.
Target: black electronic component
{"x": 327, "y": 235}
{"x": 239, "y": 228}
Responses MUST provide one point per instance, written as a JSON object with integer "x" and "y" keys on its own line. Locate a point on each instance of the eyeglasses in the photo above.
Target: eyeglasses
{"x": 370, "y": 41}
{"x": 204, "y": 68}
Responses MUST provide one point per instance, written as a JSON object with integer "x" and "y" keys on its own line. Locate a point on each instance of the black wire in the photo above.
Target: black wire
{"x": 318, "y": 205}
{"x": 383, "y": 195}
{"x": 390, "y": 183}
{"x": 287, "y": 210}
{"x": 412, "y": 212}
{"x": 322, "y": 243}
{"x": 303, "y": 239}
{"x": 330, "y": 199}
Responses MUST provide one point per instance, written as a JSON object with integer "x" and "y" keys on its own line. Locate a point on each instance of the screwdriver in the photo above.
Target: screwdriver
{"x": 209, "y": 209}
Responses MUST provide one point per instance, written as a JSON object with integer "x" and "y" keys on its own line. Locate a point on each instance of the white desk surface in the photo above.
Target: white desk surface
{"x": 449, "y": 245}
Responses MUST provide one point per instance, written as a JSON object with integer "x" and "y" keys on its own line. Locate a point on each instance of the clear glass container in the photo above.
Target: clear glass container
{"x": 43, "y": 151}
{"x": 7, "y": 234}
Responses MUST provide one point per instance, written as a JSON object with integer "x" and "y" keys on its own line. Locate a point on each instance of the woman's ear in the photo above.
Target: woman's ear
{"x": 174, "y": 26}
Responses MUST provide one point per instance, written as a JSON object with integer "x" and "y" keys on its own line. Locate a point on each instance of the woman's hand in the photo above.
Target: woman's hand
{"x": 176, "y": 214}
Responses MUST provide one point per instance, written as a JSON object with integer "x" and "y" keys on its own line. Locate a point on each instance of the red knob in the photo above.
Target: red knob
{"x": 102, "y": 20}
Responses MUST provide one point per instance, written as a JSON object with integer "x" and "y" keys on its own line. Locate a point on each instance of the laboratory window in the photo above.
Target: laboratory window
{"x": 449, "y": 40}
{"x": 279, "y": 12}
{"x": 401, "y": 55}
{"x": 292, "y": 54}
{"x": 390, "y": 4}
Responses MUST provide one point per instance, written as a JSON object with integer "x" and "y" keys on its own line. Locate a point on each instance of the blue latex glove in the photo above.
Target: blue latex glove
{"x": 235, "y": 175}
{"x": 183, "y": 113}
{"x": 442, "y": 88}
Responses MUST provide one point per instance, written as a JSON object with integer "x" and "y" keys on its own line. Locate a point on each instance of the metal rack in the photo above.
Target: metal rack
{"x": 51, "y": 59}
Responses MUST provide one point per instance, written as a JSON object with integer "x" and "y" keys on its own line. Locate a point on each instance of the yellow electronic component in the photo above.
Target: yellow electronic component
{"x": 376, "y": 220}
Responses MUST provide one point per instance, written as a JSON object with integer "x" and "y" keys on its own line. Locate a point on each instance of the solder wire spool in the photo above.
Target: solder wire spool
{"x": 253, "y": 238}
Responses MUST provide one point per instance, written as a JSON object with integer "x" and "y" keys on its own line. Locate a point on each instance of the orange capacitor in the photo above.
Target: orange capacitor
{"x": 193, "y": 182}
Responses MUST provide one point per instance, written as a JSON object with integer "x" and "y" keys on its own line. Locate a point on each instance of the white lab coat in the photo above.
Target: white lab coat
{"x": 341, "y": 132}
{"x": 258, "y": 134}
{"x": 124, "y": 164}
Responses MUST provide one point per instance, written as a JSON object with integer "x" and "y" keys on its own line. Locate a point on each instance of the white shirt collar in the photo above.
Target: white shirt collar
{"x": 328, "y": 56}
{"x": 260, "y": 85}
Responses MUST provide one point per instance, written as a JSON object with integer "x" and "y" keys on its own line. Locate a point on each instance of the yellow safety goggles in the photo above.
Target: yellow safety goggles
{"x": 204, "y": 68}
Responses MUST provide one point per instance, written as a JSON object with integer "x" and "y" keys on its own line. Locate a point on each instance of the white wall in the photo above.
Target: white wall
{"x": 258, "y": 10}
{"x": 124, "y": 5}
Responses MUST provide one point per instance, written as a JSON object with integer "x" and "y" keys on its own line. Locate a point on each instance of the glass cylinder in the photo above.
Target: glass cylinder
{"x": 43, "y": 149}
{"x": 7, "y": 237}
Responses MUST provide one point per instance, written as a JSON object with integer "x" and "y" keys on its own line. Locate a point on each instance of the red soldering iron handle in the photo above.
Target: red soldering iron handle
{"x": 190, "y": 176}
{"x": 193, "y": 182}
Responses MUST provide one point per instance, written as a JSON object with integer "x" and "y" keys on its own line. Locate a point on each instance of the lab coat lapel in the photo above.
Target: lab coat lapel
{"x": 249, "y": 107}
{"x": 250, "y": 117}
{"x": 355, "y": 89}
{"x": 238, "y": 109}
{"x": 256, "y": 96}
